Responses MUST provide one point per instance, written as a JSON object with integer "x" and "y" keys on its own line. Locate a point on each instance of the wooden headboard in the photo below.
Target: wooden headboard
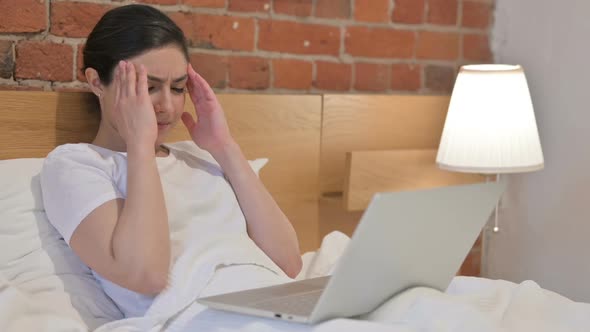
{"x": 376, "y": 122}
{"x": 369, "y": 123}
{"x": 309, "y": 139}
{"x": 285, "y": 129}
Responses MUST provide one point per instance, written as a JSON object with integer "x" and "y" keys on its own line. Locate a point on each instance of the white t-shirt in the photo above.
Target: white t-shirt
{"x": 77, "y": 178}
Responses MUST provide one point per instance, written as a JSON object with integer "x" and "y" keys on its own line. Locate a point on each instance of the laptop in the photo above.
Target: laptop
{"x": 404, "y": 240}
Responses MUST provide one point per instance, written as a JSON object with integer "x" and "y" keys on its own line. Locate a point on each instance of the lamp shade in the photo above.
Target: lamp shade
{"x": 490, "y": 125}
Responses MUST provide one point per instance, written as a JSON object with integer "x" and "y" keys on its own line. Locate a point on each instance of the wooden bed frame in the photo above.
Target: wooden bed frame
{"x": 306, "y": 137}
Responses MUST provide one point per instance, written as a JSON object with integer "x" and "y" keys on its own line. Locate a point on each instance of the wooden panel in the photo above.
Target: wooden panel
{"x": 369, "y": 172}
{"x": 333, "y": 216}
{"x": 33, "y": 123}
{"x": 284, "y": 128}
{"x": 373, "y": 122}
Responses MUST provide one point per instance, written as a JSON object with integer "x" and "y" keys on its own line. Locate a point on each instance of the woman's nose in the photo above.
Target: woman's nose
{"x": 164, "y": 104}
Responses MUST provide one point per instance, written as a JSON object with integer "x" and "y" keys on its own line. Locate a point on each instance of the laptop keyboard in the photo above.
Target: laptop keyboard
{"x": 297, "y": 304}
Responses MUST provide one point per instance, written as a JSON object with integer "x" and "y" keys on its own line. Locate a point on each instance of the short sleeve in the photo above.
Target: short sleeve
{"x": 73, "y": 184}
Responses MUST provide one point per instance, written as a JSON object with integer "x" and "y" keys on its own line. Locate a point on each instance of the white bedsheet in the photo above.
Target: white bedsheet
{"x": 470, "y": 304}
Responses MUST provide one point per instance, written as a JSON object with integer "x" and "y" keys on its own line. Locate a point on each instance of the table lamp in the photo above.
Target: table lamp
{"x": 490, "y": 126}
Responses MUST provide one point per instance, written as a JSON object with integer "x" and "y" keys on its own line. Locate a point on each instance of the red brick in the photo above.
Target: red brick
{"x": 250, "y": 73}
{"x": 223, "y": 32}
{"x": 44, "y": 61}
{"x": 249, "y": 5}
{"x": 438, "y": 45}
{"x": 205, "y": 3}
{"x": 379, "y": 42}
{"x": 75, "y": 19}
{"x": 213, "y": 68}
{"x": 371, "y": 77}
{"x": 292, "y": 74}
{"x": 478, "y": 243}
{"x": 299, "y": 38}
{"x": 443, "y": 12}
{"x": 185, "y": 23}
{"x": 333, "y": 76}
{"x": 408, "y": 11}
{"x": 333, "y": 8}
{"x": 159, "y": 2}
{"x": 405, "y": 77}
{"x": 439, "y": 78}
{"x": 6, "y": 59}
{"x": 293, "y": 7}
{"x": 476, "y": 15}
{"x": 371, "y": 10}
{"x": 476, "y": 48}
{"x": 472, "y": 264}
{"x": 23, "y": 15}
{"x": 80, "y": 76}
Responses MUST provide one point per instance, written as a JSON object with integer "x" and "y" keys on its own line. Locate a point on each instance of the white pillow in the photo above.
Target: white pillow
{"x": 257, "y": 164}
{"x": 35, "y": 259}
{"x": 191, "y": 147}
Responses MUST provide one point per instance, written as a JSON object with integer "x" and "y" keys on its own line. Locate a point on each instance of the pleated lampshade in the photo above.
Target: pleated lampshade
{"x": 490, "y": 126}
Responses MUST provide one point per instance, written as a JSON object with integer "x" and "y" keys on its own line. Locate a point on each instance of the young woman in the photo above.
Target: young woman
{"x": 118, "y": 200}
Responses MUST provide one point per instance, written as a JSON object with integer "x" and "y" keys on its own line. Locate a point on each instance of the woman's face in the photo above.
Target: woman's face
{"x": 167, "y": 76}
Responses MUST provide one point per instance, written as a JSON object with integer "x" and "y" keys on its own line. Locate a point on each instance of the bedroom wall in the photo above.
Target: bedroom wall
{"x": 546, "y": 217}
{"x": 294, "y": 46}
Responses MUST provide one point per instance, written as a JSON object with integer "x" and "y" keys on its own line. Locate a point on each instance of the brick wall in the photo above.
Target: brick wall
{"x": 274, "y": 46}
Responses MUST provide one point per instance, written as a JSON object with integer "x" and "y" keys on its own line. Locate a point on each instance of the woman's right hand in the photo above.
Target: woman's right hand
{"x": 133, "y": 111}
{"x": 127, "y": 241}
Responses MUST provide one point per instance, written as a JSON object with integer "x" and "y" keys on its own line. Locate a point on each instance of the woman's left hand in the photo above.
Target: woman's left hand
{"x": 210, "y": 132}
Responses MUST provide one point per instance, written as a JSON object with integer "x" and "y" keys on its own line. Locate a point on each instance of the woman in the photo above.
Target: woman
{"x": 107, "y": 199}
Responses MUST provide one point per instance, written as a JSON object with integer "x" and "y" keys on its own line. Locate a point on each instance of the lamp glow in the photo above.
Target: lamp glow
{"x": 490, "y": 126}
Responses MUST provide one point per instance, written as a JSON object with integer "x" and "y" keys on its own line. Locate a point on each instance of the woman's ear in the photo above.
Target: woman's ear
{"x": 94, "y": 82}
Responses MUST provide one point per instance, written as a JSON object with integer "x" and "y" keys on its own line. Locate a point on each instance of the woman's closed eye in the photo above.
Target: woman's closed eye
{"x": 152, "y": 89}
{"x": 178, "y": 90}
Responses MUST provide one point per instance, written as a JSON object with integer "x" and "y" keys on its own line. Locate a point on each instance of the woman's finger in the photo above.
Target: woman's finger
{"x": 193, "y": 86}
{"x": 131, "y": 79}
{"x": 192, "y": 93}
{"x": 117, "y": 83}
{"x": 142, "y": 86}
{"x": 123, "y": 79}
{"x": 206, "y": 90}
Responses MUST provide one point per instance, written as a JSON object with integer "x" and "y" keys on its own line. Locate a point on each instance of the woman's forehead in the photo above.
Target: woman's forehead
{"x": 166, "y": 63}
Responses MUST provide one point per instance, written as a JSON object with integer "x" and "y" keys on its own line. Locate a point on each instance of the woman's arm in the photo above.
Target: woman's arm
{"x": 127, "y": 241}
{"x": 267, "y": 225}
{"x": 141, "y": 238}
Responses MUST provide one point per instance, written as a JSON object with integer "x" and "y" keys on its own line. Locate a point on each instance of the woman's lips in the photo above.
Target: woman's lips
{"x": 163, "y": 125}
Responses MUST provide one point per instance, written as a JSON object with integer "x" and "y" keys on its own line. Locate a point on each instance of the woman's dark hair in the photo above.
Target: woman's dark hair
{"x": 128, "y": 31}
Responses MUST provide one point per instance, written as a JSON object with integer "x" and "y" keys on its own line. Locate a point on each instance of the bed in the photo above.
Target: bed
{"x": 311, "y": 142}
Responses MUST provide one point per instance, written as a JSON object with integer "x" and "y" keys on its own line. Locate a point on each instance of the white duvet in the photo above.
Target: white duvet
{"x": 470, "y": 304}
{"x": 45, "y": 287}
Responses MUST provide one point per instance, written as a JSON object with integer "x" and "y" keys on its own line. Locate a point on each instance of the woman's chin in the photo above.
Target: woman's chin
{"x": 163, "y": 132}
